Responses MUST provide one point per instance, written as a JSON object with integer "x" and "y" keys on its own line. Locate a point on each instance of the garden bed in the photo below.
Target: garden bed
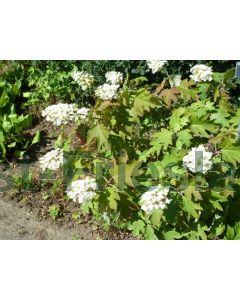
{"x": 122, "y": 150}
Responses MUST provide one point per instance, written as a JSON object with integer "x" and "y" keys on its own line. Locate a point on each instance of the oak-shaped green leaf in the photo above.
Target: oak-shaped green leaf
{"x": 100, "y": 133}
{"x": 162, "y": 139}
{"x": 113, "y": 197}
{"x": 137, "y": 227}
{"x": 185, "y": 137}
{"x": 143, "y": 101}
{"x": 220, "y": 117}
{"x": 150, "y": 234}
{"x": 191, "y": 207}
{"x": 231, "y": 154}
{"x": 200, "y": 127}
{"x": 191, "y": 192}
{"x": 172, "y": 235}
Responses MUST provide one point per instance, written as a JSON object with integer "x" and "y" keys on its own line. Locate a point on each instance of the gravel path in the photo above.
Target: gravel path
{"x": 19, "y": 223}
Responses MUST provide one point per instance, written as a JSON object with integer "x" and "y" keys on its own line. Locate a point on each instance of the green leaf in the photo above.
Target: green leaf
{"x": 237, "y": 231}
{"x": 156, "y": 217}
{"x": 36, "y": 138}
{"x": 3, "y": 148}
{"x": 59, "y": 142}
{"x": 186, "y": 92}
{"x": 230, "y": 234}
{"x": 149, "y": 234}
{"x": 4, "y": 100}
{"x": 143, "y": 101}
{"x": 217, "y": 76}
{"x": 201, "y": 128}
{"x": 100, "y": 133}
{"x": 161, "y": 140}
{"x": 172, "y": 235}
{"x": 170, "y": 159}
{"x": 16, "y": 88}
{"x": 12, "y": 145}
{"x": 2, "y": 137}
{"x": 192, "y": 191}
{"x": 229, "y": 74}
{"x": 176, "y": 118}
{"x": 185, "y": 137}
{"x": 137, "y": 227}
{"x": 231, "y": 154}
{"x": 6, "y": 125}
{"x": 190, "y": 207}
{"x": 220, "y": 117}
{"x": 138, "y": 81}
{"x": 220, "y": 229}
{"x": 23, "y": 121}
{"x": 27, "y": 94}
{"x": 216, "y": 205}
{"x": 113, "y": 197}
{"x": 201, "y": 232}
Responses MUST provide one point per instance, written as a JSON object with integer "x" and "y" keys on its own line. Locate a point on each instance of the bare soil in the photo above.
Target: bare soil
{"x": 21, "y": 223}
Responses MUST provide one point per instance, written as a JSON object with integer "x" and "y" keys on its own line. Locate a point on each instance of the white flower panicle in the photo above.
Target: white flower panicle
{"x": 201, "y": 73}
{"x": 53, "y": 160}
{"x": 107, "y": 91}
{"x": 62, "y": 113}
{"x": 175, "y": 80}
{"x": 84, "y": 79}
{"x": 114, "y": 77}
{"x": 154, "y": 198}
{"x": 198, "y": 159}
{"x": 156, "y": 65}
{"x": 82, "y": 190}
{"x": 82, "y": 113}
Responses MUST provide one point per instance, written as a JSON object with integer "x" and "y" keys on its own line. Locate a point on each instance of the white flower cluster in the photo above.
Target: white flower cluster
{"x": 154, "y": 198}
{"x": 63, "y": 113}
{"x": 82, "y": 190}
{"x": 107, "y": 91}
{"x": 201, "y": 73}
{"x": 114, "y": 77}
{"x": 52, "y": 160}
{"x": 84, "y": 79}
{"x": 198, "y": 160}
{"x": 156, "y": 65}
{"x": 175, "y": 80}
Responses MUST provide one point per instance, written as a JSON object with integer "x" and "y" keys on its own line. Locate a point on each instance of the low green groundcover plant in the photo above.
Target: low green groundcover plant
{"x": 13, "y": 122}
{"x": 160, "y": 159}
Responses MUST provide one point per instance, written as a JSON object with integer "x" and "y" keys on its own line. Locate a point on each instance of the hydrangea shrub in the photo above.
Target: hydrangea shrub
{"x": 166, "y": 157}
